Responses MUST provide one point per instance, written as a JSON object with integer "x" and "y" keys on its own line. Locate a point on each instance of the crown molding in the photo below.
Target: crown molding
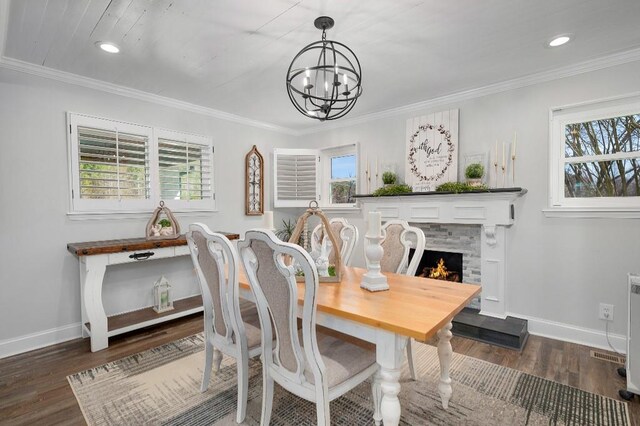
{"x": 595, "y": 64}
{"x": 602, "y": 62}
{"x": 78, "y": 80}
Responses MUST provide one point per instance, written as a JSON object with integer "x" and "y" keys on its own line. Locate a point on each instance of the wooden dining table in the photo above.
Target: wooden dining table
{"x": 413, "y": 307}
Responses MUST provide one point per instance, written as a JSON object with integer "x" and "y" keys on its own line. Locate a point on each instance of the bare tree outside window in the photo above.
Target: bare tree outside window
{"x": 343, "y": 182}
{"x": 602, "y": 158}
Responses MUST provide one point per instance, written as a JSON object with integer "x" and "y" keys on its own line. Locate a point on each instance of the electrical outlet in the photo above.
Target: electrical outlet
{"x": 606, "y": 312}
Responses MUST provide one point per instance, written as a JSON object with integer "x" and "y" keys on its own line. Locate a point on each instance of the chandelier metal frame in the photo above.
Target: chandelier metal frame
{"x": 329, "y": 89}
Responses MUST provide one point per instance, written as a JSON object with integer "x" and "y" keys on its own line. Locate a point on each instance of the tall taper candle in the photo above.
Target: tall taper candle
{"x": 268, "y": 220}
{"x": 375, "y": 224}
{"x": 504, "y": 159}
{"x": 515, "y": 139}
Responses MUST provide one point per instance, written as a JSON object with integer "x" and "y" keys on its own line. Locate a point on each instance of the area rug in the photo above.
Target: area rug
{"x": 161, "y": 387}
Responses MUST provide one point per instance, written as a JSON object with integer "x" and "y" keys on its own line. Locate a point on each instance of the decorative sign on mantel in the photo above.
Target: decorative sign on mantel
{"x": 432, "y": 150}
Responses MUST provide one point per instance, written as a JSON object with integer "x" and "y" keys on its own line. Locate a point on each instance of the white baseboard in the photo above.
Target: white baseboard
{"x": 29, "y": 342}
{"x": 574, "y": 334}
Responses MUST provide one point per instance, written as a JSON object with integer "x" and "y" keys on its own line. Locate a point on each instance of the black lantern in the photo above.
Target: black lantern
{"x": 324, "y": 79}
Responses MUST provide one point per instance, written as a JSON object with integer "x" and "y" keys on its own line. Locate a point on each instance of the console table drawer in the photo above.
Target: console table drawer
{"x": 141, "y": 255}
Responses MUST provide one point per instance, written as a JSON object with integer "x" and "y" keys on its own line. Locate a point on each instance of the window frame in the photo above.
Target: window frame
{"x": 326, "y": 155}
{"x": 80, "y": 207}
{"x": 559, "y": 118}
{"x": 323, "y": 175}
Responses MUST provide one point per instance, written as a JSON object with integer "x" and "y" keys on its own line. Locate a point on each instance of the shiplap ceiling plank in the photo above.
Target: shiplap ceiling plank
{"x": 233, "y": 55}
{"x": 55, "y": 11}
{"x": 73, "y": 14}
{"x": 64, "y": 56}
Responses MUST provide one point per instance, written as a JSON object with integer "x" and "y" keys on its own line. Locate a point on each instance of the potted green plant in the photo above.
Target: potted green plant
{"x": 389, "y": 178}
{"x": 474, "y": 173}
{"x": 286, "y": 231}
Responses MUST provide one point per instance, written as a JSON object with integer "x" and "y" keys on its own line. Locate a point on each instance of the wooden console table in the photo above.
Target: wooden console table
{"x": 95, "y": 256}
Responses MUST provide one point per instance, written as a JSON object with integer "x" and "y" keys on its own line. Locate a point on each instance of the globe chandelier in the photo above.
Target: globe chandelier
{"x": 324, "y": 80}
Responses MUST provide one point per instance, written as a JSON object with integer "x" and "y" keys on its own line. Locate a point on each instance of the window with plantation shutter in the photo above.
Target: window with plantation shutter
{"x": 122, "y": 167}
{"x": 185, "y": 164}
{"x": 113, "y": 165}
{"x": 296, "y": 177}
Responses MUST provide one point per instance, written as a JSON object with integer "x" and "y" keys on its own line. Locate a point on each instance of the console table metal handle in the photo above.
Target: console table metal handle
{"x": 141, "y": 256}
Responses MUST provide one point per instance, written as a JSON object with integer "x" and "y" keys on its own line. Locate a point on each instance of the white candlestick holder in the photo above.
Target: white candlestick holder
{"x": 373, "y": 279}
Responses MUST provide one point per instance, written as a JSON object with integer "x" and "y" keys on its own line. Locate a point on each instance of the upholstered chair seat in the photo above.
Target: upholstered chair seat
{"x": 342, "y": 359}
{"x": 249, "y": 313}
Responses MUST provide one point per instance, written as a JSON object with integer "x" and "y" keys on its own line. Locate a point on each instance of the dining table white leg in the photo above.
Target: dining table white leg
{"x": 390, "y": 356}
{"x": 444, "y": 355}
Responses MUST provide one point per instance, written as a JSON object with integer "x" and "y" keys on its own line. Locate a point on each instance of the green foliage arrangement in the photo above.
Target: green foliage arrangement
{"x": 389, "y": 178}
{"x": 331, "y": 270}
{"x": 165, "y": 223}
{"x": 458, "y": 187}
{"x": 474, "y": 171}
{"x": 395, "y": 189}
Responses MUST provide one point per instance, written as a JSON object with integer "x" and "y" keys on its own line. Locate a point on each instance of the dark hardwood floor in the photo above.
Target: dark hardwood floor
{"x": 34, "y": 389}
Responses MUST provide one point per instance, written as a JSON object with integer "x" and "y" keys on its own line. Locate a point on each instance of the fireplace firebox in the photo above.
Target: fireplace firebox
{"x": 440, "y": 265}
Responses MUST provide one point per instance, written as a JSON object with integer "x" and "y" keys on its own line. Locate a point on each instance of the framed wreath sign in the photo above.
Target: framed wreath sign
{"x": 432, "y": 150}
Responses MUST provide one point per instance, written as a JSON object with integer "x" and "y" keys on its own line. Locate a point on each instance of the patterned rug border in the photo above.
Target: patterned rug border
{"x": 199, "y": 336}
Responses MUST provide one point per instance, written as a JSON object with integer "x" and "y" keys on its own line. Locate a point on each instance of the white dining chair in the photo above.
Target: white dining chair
{"x": 346, "y": 234}
{"x": 313, "y": 365}
{"x": 397, "y": 238}
{"x": 225, "y": 330}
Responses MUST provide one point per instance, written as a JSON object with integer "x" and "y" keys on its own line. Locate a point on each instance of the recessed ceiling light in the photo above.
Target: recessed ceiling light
{"x": 559, "y": 40}
{"x": 108, "y": 47}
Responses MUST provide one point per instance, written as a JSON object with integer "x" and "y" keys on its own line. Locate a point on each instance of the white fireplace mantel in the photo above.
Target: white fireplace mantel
{"x": 494, "y": 211}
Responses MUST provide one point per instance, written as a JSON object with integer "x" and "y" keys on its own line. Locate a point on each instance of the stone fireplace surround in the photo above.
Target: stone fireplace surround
{"x": 489, "y": 214}
{"x": 457, "y": 238}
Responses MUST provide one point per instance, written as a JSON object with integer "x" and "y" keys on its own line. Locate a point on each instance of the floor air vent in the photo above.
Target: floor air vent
{"x": 617, "y": 359}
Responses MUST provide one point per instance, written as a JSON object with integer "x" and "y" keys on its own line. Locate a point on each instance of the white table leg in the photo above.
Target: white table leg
{"x": 444, "y": 354}
{"x": 390, "y": 356}
{"x": 95, "y": 267}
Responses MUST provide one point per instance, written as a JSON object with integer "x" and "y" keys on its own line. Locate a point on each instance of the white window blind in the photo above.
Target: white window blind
{"x": 118, "y": 167}
{"x": 185, "y": 170}
{"x": 295, "y": 177}
{"x": 113, "y": 165}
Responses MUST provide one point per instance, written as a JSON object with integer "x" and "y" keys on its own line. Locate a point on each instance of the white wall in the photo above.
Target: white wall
{"x": 39, "y": 282}
{"x": 559, "y": 269}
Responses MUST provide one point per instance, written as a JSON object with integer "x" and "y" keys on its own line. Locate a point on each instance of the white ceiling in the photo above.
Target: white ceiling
{"x": 232, "y": 55}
